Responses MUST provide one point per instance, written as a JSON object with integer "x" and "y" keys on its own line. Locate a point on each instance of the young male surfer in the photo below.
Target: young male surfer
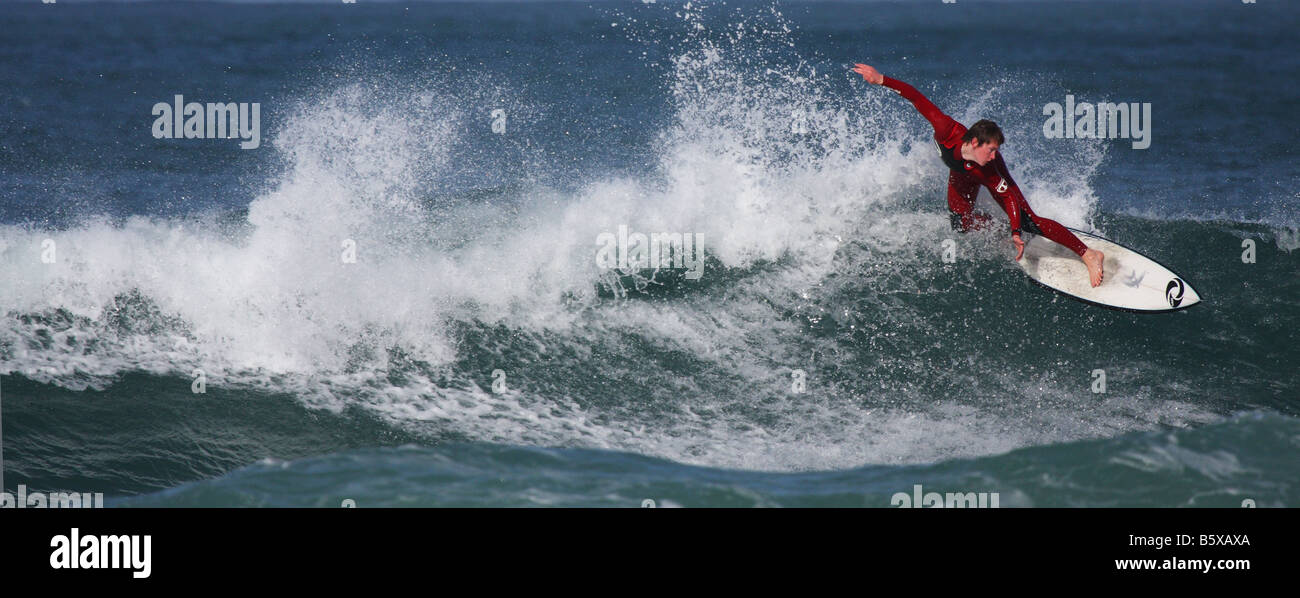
{"x": 972, "y": 158}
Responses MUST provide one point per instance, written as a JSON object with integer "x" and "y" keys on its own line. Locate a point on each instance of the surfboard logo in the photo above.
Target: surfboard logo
{"x": 1174, "y": 292}
{"x": 1134, "y": 280}
{"x": 1002, "y": 186}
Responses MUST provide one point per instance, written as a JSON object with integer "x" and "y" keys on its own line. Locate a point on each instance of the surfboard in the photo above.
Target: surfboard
{"x": 1132, "y": 281}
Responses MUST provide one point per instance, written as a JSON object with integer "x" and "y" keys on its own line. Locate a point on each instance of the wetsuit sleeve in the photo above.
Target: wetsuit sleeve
{"x": 1004, "y": 189}
{"x": 942, "y": 123}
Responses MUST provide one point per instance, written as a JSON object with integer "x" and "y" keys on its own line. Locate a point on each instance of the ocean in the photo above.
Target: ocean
{"x": 390, "y": 295}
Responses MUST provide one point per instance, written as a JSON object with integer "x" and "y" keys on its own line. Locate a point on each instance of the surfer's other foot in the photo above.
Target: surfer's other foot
{"x": 1093, "y": 259}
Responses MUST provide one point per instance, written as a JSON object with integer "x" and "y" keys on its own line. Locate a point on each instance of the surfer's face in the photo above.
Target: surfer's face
{"x": 981, "y": 154}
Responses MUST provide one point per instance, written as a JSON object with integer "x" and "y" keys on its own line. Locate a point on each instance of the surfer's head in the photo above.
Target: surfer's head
{"x": 981, "y": 142}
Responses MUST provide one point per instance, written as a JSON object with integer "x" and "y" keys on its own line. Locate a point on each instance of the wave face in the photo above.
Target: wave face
{"x": 410, "y": 260}
{"x": 1217, "y": 465}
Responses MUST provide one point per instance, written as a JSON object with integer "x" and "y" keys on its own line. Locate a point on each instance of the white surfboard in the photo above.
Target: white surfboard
{"x": 1132, "y": 281}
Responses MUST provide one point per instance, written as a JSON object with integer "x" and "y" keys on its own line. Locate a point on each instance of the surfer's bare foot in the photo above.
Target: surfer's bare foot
{"x": 1093, "y": 259}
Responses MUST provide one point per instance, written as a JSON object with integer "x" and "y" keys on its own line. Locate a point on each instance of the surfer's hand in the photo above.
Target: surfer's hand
{"x": 1020, "y": 244}
{"x": 869, "y": 73}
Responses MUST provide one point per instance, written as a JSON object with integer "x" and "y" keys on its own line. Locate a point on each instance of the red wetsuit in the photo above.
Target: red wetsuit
{"x": 965, "y": 177}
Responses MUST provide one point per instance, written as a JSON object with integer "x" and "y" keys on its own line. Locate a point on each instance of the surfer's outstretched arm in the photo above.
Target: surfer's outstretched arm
{"x": 942, "y": 123}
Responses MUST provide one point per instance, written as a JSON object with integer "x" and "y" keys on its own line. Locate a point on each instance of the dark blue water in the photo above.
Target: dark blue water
{"x": 468, "y": 156}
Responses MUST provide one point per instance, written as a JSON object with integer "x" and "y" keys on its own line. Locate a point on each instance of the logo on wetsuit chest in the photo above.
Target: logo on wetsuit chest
{"x": 951, "y": 161}
{"x": 1002, "y": 186}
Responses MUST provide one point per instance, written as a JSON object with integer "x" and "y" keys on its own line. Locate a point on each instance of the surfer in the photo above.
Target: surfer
{"x": 973, "y": 159}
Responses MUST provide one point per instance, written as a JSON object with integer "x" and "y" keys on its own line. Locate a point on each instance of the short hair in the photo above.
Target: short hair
{"x": 986, "y": 131}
